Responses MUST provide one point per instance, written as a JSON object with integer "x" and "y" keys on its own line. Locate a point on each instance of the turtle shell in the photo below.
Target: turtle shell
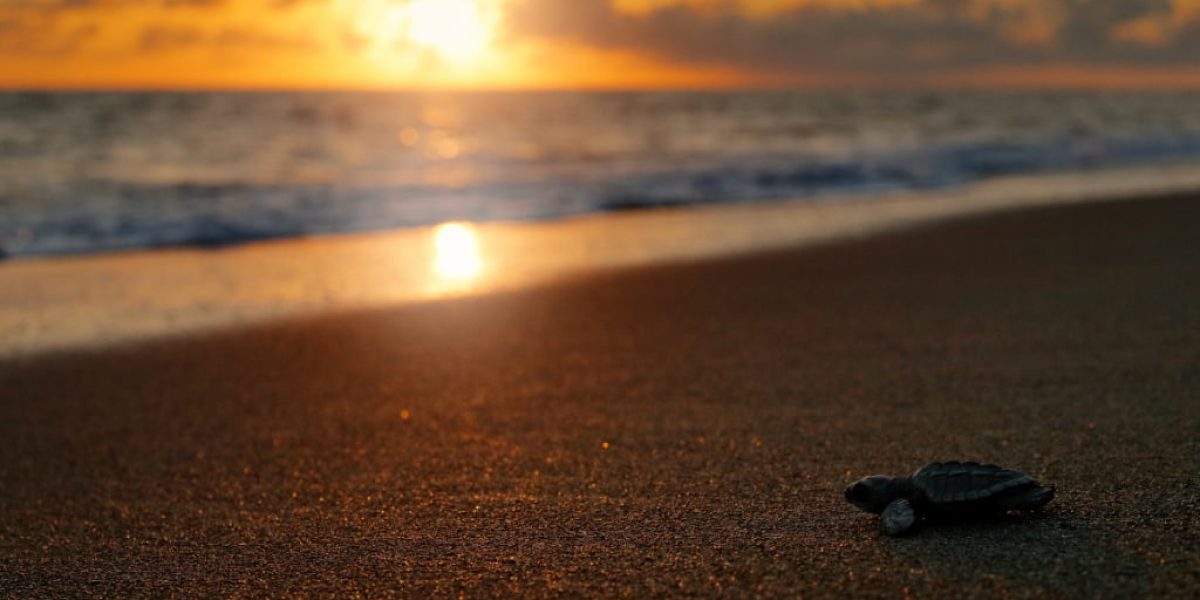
{"x": 950, "y": 482}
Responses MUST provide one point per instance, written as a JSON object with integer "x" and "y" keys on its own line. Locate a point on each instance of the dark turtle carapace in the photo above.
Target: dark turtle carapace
{"x": 949, "y": 490}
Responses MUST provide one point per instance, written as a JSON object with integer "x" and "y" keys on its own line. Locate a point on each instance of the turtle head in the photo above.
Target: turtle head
{"x": 873, "y": 493}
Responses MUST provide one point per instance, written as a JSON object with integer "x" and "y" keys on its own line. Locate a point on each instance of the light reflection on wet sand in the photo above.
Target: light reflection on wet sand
{"x": 60, "y": 303}
{"x": 457, "y": 258}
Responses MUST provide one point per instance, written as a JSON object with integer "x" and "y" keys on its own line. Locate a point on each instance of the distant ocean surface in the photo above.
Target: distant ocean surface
{"x": 93, "y": 172}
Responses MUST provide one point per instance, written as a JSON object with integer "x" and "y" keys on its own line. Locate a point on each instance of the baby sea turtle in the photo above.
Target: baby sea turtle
{"x": 946, "y": 490}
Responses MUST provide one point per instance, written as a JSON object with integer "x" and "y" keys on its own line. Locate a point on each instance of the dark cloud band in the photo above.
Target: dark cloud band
{"x": 928, "y": 36}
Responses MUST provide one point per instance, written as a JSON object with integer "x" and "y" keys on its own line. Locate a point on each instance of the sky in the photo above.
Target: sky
{"x": 622, "y": 44}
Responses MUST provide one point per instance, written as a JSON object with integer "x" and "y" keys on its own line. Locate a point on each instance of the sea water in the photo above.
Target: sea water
{"x": 94, "y": 172}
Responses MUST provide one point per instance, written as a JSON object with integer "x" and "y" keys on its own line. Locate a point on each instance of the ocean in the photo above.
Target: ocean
{"x": 97, "y": 172}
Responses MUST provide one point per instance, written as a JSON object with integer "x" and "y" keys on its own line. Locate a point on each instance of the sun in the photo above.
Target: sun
{"x": 458, "y": 30}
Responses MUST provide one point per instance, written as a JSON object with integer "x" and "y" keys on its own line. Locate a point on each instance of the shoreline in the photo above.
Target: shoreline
{"x": 669, "y": 430}
{"x": 79, "y": 302}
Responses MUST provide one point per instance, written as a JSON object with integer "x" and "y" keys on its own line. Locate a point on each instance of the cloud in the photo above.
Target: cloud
{"x": 19, "y": 38}
{"x": 68, "y": 5}
{"x": 868, "y": 37}
{"x": 160, "y": 38}
{"x": 39, "y": 34}
{"x": 62, "y": 27}
{"x": 288, "y": 4}
{"x": 192, "y": 3}
{"x": 244, "y": 37}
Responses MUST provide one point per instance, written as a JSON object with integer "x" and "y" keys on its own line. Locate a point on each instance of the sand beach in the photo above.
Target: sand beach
{"x": 675, "y": 429}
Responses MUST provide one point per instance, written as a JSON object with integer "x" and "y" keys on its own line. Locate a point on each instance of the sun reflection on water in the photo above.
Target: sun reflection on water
{"x": 457, "y": 256}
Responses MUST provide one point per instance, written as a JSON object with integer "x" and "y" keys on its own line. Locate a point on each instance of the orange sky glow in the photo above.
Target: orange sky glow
{"x": 596, "y": 43}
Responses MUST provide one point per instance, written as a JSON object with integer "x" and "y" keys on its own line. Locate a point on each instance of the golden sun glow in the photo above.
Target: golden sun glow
{"x": 458, "y": 30}
{"x": 457, "y": 256}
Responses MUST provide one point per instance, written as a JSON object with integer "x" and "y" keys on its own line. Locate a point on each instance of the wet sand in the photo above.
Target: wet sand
{"x": 651, "y": 431}
{"x": 122, "y": 297}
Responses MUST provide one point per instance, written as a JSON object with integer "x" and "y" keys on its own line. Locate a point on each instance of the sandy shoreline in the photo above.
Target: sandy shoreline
{"x": 661, "y": 430}
{"x": 79, "y": 302}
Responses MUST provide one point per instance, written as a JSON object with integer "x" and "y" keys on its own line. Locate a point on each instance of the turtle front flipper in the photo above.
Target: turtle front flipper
{"x": 897, "y": 518}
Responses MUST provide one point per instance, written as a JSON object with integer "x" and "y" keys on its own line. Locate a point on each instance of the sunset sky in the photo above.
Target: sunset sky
{"x": 596, "y": 43}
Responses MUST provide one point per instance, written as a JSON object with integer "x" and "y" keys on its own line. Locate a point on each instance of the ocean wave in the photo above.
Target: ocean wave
{"x": 94, "y": 174}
